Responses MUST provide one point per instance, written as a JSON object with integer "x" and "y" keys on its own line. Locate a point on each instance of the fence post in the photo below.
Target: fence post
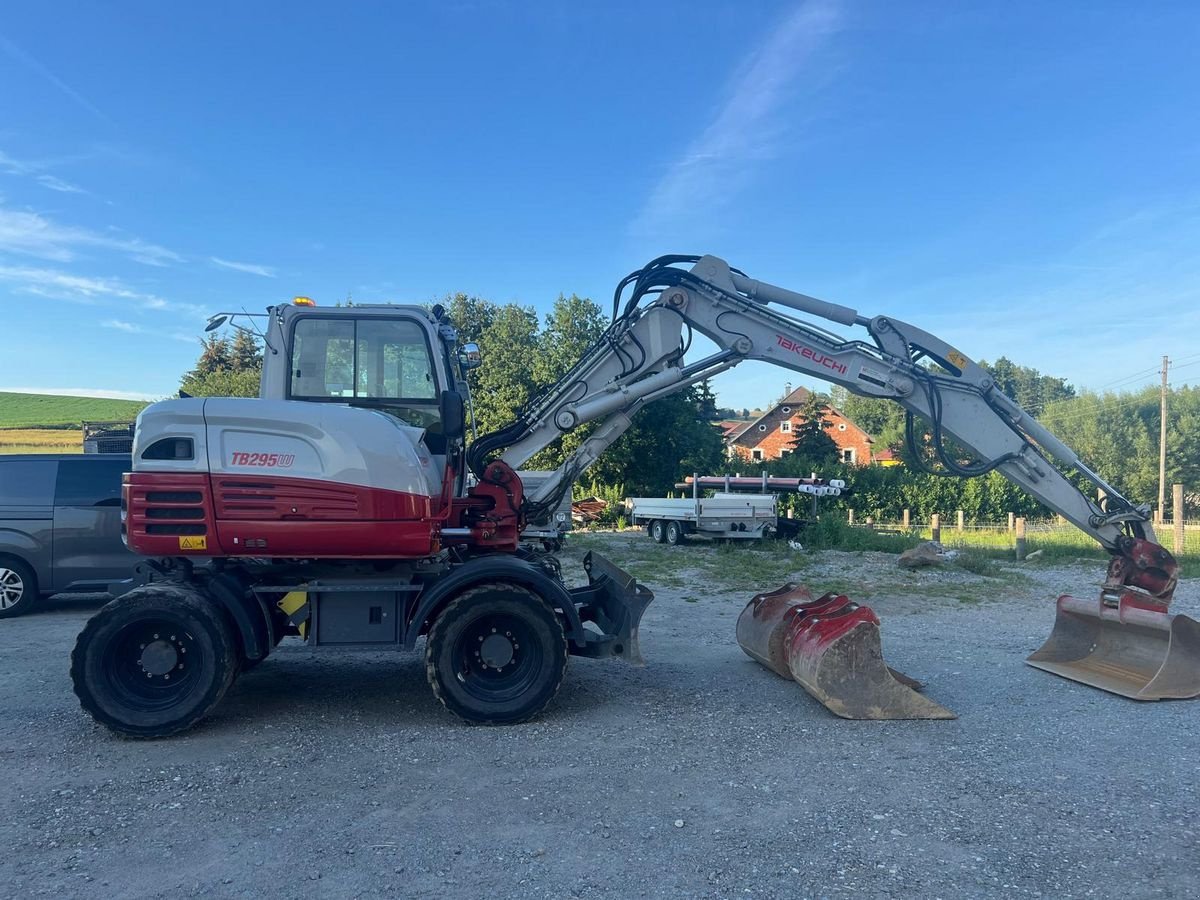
{"x": 850, "y": 517}
{"x": 1020, "y": 538}
{"x": 1177, "y": 515}
{"x": 1012, "y": 520}
{"x": 935, "y": 528}
{"x": 905, "y": 520}
{"x": 960, "y": 521}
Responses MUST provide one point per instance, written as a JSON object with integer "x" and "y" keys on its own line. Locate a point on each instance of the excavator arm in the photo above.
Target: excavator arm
{"x": 640, "y": 358}
{"x": 1125, "y": 643}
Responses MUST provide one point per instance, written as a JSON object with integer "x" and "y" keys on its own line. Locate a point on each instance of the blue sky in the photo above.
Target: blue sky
{"x": 1021, "y": 178}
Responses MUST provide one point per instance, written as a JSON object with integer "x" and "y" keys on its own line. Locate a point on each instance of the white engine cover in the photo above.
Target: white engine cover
{"x": 284, "y": 438}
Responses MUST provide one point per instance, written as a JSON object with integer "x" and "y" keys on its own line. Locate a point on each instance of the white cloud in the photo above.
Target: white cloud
{"x": 38, "y": 172}
{"x": 249, "y": 268}
{"x": 58, "y": 285}
{"x": 30, "y": 234}
{"x": 82, "y": 392}
{"x": 715, "y": 165}
{"x": 123, "y": 326}
{"x": 58, "y": 184}
{"x": 24, "y": 58}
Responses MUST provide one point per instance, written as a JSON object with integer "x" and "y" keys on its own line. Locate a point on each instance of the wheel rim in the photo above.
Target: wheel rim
{"x": 12, "y": 588}
{"x": 151, "y": 663}
{"x": 497, "y": 657}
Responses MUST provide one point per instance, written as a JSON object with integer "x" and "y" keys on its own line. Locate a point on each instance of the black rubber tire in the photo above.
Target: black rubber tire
{"x": 658, "y": 531}
{"x": 538, "y": 669}
{"x": 17, "y": 575}
{"x": 103, "y": 665}
{"x": 675, "y": 534}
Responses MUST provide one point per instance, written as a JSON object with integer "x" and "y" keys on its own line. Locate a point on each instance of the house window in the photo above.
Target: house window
{"x": 762, "y": 427}
{"x": 756, "y": 454}
{"x": 787, "y": 410}
{"x": 785, "y": 427}
{"x": 848, "y": 455}
{"x": 784, "y": 452}
{"x": 841, "y": 426}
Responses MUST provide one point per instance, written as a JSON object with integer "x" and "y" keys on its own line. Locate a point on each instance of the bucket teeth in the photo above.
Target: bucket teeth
{"x": 831, "y": 646}
{"x": 1123, "y": 644}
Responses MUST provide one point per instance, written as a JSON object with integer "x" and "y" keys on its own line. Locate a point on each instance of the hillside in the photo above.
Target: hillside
{"x": 32, "y": 410}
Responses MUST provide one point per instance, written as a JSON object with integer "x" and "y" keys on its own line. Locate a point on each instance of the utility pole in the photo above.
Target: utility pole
{"x": 1162, "y": 448}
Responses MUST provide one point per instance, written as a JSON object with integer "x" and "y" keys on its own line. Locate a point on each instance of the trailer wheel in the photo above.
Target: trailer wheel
{"x": 18, "y": 588}
{"x": 154, "y": 662}
{"x": 658, "y": 531}
{"x": 675, "y": 535}
{"x": 496, "y": 655}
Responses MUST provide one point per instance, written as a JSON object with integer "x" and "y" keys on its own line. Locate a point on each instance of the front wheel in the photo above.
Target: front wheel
{"x": 658, "y": 531}
{"x": 154, "y": 662}
{"x": 496, "y": 655}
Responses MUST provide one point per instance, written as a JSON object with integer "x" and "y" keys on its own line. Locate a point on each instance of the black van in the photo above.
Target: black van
{"x": 60, "y": 527}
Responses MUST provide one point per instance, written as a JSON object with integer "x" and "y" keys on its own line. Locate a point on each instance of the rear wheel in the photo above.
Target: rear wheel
{"x": 496, "y": 655}
{"x": 658, "y": 531}
{"x": 154, "y": 662}
{"x": 18, "y": 588}
{"x": 675, "y": 535}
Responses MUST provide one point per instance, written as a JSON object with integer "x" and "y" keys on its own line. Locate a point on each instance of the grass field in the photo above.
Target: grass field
{"x": 43, "y": 423}
{"x": 47, "y": 411}
{"x": 41, "y": 440}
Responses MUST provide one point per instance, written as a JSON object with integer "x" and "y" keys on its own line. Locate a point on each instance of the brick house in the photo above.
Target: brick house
{"x": 770, "y": 436}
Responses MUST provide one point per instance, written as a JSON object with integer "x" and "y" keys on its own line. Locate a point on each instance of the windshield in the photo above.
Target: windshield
{"x": 382, "y": 360}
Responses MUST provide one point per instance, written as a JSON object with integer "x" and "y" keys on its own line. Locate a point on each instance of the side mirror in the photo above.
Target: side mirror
{"x": 469, "y": 357}
{"x": 454, "y": 415}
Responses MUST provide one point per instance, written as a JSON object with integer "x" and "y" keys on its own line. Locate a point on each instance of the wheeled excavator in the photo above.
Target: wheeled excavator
{"x": 347, "y": 506}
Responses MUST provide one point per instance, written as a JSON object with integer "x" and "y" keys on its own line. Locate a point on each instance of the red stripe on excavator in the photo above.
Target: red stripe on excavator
{"x": 268, "y": 516}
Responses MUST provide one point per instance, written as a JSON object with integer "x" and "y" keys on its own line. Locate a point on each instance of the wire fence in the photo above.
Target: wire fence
{"x": 1053, "y": 537}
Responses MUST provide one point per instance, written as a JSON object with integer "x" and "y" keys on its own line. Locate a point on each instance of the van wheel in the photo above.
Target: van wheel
{"x": 675, "y": 535}
{"x": 496, "y": 655}
{"x": 18, "y": 588}
{"x": 154, "y": 661}
{"x": 658, "y": 531}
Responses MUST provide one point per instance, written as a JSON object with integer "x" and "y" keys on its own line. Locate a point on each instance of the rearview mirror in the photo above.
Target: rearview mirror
{"x": 469, "y": 357}
{"x": 454, "y": 416}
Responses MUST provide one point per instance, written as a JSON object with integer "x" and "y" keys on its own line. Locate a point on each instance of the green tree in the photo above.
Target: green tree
{"x": 669, "y": 439}
{"x": 225, "y": 368}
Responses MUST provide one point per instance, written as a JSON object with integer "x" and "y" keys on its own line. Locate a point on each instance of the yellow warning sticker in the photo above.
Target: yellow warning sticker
{"x": 193, "y": 543}
{"x": 957, "y": 359}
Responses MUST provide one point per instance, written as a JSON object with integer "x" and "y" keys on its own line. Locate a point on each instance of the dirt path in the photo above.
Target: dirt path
{"x": 700, "y": 775}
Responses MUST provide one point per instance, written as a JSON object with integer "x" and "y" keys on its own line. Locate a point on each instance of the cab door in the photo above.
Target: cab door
{"x": 88, "y": 550}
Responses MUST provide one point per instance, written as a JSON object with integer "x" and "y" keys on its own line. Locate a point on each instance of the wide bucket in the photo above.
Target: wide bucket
{"x": 832, "y": 647}
{"x": 1120, "y": 646}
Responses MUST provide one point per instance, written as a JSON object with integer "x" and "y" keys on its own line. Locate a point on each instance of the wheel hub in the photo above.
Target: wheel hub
{"x": 496, "y": 651}
{"x": 159, "y": 657}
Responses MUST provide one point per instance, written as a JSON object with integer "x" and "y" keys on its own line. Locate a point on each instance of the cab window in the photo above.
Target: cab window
{"x": 364, "y": 359}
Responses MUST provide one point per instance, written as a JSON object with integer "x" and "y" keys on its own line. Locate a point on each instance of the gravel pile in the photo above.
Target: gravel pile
{"x": 700, "y": 775}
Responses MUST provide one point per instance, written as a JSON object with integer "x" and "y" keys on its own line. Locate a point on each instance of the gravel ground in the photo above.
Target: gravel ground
{"x": 700, "y": 775}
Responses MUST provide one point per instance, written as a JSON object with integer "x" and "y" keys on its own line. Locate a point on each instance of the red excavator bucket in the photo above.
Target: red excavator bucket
{"x": 1125, "y": 645}
{"x": 831, "y": 646}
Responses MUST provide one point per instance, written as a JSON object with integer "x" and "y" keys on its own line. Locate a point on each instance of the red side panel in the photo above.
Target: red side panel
{"x": 169, "y": 514}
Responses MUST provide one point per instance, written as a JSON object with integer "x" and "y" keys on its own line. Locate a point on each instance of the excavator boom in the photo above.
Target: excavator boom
{"x": 640, "y": 358}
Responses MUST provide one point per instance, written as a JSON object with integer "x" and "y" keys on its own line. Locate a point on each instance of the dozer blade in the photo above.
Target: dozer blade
{"x": 1121, "y": 646}
{"x": 831, "y": 646}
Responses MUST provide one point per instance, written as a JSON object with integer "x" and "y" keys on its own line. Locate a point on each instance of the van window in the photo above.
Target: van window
{"x": 86, "y": 482}
{"x": 27, "y": 482}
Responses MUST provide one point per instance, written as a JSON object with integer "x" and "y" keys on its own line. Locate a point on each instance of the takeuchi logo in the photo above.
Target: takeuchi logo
{"x": 809, "y": 353}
